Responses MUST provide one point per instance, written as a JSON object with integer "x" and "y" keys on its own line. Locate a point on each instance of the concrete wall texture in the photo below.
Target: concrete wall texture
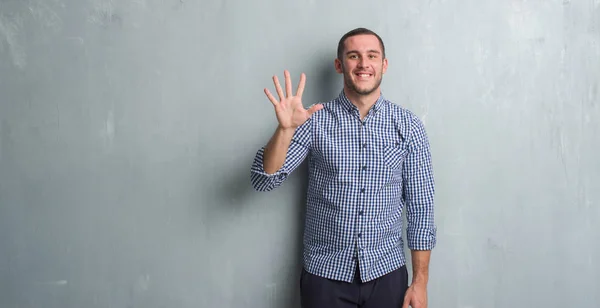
{"x": 127, "y": 130}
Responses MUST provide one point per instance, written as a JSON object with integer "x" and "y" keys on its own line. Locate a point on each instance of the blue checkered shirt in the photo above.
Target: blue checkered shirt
{"x": 362, "y": 175}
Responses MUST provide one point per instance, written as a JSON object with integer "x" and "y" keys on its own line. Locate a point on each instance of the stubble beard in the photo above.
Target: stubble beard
{"x": 351, "y": 85}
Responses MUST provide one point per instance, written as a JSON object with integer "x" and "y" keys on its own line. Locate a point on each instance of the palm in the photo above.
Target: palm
{"x": 289, "y": 109}
{"x": 291, "y": 112}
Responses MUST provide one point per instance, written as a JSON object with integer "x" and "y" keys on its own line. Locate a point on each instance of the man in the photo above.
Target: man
{"x": 369, "y": 161}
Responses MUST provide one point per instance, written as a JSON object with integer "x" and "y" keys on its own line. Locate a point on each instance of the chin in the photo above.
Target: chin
{"x": 364, "y": 90}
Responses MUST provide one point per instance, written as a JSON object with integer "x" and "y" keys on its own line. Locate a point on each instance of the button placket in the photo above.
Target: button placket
{"x": 362, "y": 182}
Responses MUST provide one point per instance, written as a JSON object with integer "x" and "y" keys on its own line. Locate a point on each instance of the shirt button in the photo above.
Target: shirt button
{"x": 362, "y": 190}
{"x": 360, "y": 213}
{"x": 364, "y": 145}
{"x": 359, "y": 235}
{"x": 364, "y": 167}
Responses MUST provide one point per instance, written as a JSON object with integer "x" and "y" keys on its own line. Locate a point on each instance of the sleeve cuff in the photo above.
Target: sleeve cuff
{"x": 263, "y": 181}
{"x": 421, "y": 239}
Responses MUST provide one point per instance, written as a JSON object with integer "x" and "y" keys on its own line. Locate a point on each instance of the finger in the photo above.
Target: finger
{"x": 301, "y": 85}
{"x": 288, "y": 84}
{"x": 406, "y": 302}
{"x": 314, "y": 108}
{"x": 278, "y": 87}
{"x": 271, "y": 97}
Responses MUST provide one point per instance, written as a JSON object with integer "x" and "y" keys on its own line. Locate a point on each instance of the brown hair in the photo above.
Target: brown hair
{"x": 357, "y": 31}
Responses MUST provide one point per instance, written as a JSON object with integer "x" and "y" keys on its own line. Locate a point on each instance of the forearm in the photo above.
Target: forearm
{"x": 420, "y": 265}
{"x": 276, "y": 149}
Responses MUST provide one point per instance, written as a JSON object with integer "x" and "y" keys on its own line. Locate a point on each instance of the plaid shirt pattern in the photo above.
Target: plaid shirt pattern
{"x": 363, "y": 174}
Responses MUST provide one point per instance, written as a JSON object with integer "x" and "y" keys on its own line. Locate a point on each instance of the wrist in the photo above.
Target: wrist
{"x": 419, "y": 283}
{"x": 286, "y": 130}
{"x": 419, "y": 280}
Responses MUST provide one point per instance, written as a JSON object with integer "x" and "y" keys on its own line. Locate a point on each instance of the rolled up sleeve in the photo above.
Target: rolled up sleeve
{"x": 297, "y": 152}
{"x": 419, "y": 191}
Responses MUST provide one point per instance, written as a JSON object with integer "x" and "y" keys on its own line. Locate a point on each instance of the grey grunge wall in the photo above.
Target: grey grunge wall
{"x": 127, "y": 131}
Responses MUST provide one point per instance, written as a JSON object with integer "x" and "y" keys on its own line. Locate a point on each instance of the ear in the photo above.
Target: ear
{"x": 385, "y": 65}
{"x": 338, "y": 65}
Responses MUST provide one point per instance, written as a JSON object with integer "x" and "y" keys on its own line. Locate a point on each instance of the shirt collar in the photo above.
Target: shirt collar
{"x": 345, "y": 102}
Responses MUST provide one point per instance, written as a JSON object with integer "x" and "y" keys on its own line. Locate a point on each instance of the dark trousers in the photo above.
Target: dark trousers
{"x": 385, "y": 292}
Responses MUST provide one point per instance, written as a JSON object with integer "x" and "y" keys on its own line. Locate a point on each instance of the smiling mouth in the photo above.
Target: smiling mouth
{"x": 364, "y": 75}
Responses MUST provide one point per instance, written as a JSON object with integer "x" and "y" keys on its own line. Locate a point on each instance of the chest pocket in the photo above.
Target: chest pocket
{"x": 394, "y": 155}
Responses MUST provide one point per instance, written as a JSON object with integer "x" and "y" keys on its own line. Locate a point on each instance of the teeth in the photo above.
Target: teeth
{"x": 363, "y": 75}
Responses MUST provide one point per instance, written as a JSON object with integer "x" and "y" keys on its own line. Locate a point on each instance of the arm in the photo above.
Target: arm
{"x": 276, "y": 150}
{"x": 284, "y": 152}
{"x": 289, "y": 145}
{"x": 416, "y": 295}
{"x": 420, "y": 265}
{"x": 419, "y": 199}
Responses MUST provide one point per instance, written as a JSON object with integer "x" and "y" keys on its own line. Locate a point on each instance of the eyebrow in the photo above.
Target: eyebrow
{"x": 369, "y": 51}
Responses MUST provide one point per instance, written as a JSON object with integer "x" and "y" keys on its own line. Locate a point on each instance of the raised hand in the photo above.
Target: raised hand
{"x": 289, "y": 109}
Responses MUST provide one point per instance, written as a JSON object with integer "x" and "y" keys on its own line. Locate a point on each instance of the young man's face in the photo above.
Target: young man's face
{"x": 362, "y": 64}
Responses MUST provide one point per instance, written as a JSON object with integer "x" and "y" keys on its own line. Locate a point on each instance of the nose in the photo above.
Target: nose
{"x": 361, "y": 63}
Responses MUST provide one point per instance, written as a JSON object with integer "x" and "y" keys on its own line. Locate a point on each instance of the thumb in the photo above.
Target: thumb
{"x": 314, "y": 108}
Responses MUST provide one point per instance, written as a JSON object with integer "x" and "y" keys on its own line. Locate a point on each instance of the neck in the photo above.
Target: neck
{"x": 362, "y": 102}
